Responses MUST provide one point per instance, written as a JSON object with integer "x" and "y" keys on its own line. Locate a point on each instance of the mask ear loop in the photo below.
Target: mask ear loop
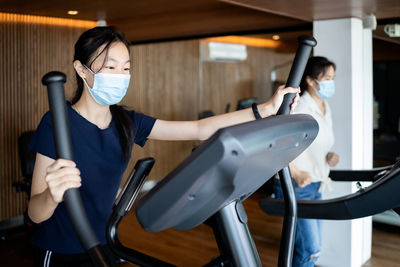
{"x": 92, "y": 72}
{"x": 84, "y": 80}
{"x": 315, "y": 89}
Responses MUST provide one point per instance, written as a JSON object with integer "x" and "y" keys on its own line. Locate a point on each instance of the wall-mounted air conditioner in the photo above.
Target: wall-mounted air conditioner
{"x": 225, "y": 52}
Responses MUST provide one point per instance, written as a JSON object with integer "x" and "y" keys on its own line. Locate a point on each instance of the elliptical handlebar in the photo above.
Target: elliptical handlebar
{"x": 306, "y": 43}
{"x": 63, "y": 146}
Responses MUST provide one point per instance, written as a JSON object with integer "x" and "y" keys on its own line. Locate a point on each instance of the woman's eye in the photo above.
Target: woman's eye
{"x": 127, "y": 69}
{"x": 109, "y": 67}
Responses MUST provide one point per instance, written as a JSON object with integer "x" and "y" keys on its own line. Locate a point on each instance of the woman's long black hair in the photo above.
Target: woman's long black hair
{"x": 85, "y": 51}
{"x": 314, "y": 68}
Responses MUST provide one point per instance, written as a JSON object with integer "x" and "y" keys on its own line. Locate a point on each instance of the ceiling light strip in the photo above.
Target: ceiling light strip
{"x": 19, "y": 18}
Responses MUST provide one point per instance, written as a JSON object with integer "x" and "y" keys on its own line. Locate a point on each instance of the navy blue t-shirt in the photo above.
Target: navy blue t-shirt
{"x": 99, "y": 157}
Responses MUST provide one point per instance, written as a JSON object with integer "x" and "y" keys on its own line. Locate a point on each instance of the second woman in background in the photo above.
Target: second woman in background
{"x": 311, "y": 169}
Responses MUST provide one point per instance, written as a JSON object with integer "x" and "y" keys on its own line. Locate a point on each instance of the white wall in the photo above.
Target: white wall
{"x": 345, "y": 42}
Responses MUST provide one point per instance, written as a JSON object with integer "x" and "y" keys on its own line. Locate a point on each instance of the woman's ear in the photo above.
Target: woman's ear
{"x": 310, "y": 81}
{"x": 79, "y": 68}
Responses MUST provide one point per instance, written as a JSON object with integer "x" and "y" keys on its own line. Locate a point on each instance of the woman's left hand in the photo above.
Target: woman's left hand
{"x": 332, "y": 159}
{"x": 276, "y": 100}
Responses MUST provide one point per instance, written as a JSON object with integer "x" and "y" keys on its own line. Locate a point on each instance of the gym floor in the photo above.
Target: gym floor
{"x": 197, "y": 246}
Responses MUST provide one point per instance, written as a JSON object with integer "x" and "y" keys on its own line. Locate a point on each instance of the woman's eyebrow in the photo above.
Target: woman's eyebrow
{"x": 113, "y": 59}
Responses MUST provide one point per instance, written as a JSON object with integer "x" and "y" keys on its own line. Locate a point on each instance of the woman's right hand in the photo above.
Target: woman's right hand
{"x": 62, "y": 175}
{"x": 274, "y": 103}
{"x": 303, "y": 178}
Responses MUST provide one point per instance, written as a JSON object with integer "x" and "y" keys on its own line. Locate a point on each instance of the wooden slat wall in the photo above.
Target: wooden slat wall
{"x": 262, "y": 62}
{"x": 224, "y": 83}
{"x": 227, "y": 82}
{"x": 169, "y": 81}
{"x": 30, "y": 46}
{"x": 165, "y": 85}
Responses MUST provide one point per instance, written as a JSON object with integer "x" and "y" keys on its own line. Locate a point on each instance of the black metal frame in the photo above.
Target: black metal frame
{"x": 380, "y": 196}
{"x": 359, "y": 175}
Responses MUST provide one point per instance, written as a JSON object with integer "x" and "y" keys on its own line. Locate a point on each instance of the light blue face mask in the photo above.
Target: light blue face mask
{"x": 326, "y": 88}
{"x": 108, "y": 88}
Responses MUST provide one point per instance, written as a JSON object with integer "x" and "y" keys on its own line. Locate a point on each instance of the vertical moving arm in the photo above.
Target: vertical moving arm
{"x": 63, "y": 146}
{"x": 306, "y": 43}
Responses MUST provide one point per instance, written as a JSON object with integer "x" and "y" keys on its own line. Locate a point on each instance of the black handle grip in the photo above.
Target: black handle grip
{"x": 306, "y": 43}
{"x": 63, "y": 146}
{"x": 133, "y": 186}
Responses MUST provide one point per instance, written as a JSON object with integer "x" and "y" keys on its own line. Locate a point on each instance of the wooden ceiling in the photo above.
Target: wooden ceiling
{"x": 153, "y": 20}
{"x": 310, "y": 10}
{"x": 156, "y": 20}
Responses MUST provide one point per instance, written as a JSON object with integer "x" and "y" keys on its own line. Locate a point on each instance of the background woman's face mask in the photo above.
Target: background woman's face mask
{"x": 326, "y": 88}
{"x": 108, "y": 88}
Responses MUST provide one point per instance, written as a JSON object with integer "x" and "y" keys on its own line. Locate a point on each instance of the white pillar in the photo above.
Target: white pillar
{"x": 345, "y": 42}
